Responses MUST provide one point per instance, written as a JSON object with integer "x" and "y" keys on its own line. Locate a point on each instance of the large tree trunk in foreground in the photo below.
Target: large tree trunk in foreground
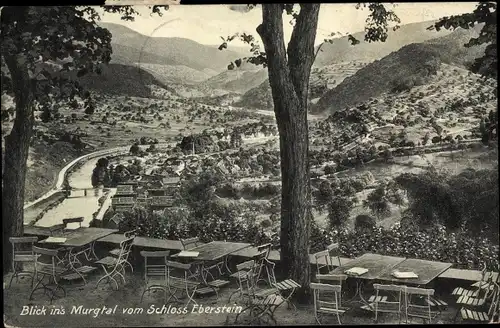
{"x": 289, "y": 80}
{"x": 16, "y": 156}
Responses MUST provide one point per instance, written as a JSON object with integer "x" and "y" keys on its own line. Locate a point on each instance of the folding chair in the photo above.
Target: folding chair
{"x": 56, "y": 228}
{"x": 22, "y": 255}
{"x": 241, "y": 276}
{"x": 475, "y": 287}
{"x": 190, "y": 243}
{"x": 116, "y": 252}
{"x": 478, "y": 298}
{"x": 46, "y": 266}
{"x": 332, "y": 279}
{"x": 323, "y": 262}
{"x": 155, "y": 271}
{"x": 181, "y": 282}
{"x": 414, "y": 308}
{"x": 114, "y": 266}
{"x": 327, "y": 304}
{"x": 334, "y": 252}
{"x": 491, "y": 316}
{"x": 78, "y": 220}
{"x": 387, "y": 299}
{"x": 260, "y": 260}
{"x": 259, "y": 304}
{"x": 285, "y": 288}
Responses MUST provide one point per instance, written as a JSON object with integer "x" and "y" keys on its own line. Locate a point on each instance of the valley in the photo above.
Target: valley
{"x": 406, "y": 106}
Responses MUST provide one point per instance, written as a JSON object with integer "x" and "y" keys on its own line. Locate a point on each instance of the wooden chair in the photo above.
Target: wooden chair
{"x": 155, "y": 271}
{"x": 325, "y": 267}
{"x": 414, "y": 308}
{"x": 491, "y": 316}
{"x": 116, "y": 252}
{"x": 114, "y": 266}
{"x": 387, "y": 299}
{"x": 332, "y": 279}
{"x": 486, "y": 276}
{"x": 334, "y": 252}
{"x": 259, "y": 303}
{"x": 181, "y": 281}
{"x": 241, "y": 275}
{"x": 78, "y": 220}
{"x": 190, "y": 243}
{"x": 327, "y": 304}
{"x": 56, "y": 228}
{"x": 46, "y": 267}
{"x": 22, "y": 253}
{"x": 474, "y": 289}
{"x": 260, "y": 261}
{"x": 478, "y": 298}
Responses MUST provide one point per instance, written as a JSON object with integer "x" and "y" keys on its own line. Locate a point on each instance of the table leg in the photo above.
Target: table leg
{"x": 71, "y": 264}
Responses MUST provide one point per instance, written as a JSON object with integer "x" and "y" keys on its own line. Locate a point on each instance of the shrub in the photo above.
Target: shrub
{"x": 364, "y": 222}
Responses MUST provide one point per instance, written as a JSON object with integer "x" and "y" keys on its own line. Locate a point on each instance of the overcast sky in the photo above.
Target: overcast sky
{"x": 206, "y": 23}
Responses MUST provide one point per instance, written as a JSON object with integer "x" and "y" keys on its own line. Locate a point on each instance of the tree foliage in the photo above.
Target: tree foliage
{"x": 466, "y": 201}
{"x": 485, "y": 13}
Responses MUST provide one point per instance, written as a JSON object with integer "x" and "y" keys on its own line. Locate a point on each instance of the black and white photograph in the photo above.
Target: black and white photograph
{"x": 173, "y": 164}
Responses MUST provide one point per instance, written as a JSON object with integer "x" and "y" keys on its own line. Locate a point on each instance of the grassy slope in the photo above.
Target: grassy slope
{"x": 410, "y": 61}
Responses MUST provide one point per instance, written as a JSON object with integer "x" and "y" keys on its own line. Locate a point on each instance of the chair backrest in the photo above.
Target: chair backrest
{"x": 420, "y": 309}
{"x": 57, "y": 227}
{"x": 394, "y": 295}
{"x": 323, "y": 261}
{"x": 22, "y": 245}
{"x": 190, "y": 243}
{"x": 336, "y": 279}
{"x": 125, "y": 248}
{"x": 45, "y": 260}
{"x": 155, "y": 264}
{"x": 78, "y": 220}
{"x": 331, "y": 304}
{"x": 334, "y": 251}
{"x": 264, "y": 249}
{"x": 173, "y": 267}
{"x": 247, "y": 265}
{"x": 271, "y": 276}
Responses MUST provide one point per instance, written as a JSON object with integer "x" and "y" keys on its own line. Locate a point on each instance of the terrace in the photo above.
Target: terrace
{"x": 219, "y": 287}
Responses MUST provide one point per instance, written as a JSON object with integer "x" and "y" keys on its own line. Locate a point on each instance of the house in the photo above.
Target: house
{"x": 160, "y": 202}
{"x": 170, "y": 181}
{"x": 122, "y": 202}
{"x": 125, "y": 191}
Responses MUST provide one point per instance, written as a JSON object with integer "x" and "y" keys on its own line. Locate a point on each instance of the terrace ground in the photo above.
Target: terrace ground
{"x": 129, "y": 296}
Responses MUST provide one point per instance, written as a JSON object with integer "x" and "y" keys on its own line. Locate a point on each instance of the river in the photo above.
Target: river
{"x": 77, "y": 204}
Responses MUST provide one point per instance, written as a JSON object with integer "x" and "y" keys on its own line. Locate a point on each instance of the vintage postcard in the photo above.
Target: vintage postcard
{"x": 232, "y": 164}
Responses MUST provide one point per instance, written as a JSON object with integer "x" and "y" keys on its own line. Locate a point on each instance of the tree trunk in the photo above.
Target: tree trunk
{"x": 16, "y": 155}
{"x": 289, "y": 81}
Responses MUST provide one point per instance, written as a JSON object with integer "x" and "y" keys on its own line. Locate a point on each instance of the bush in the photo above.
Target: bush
{"x": 364, "y": 222}
{"x": 433, "y": 244}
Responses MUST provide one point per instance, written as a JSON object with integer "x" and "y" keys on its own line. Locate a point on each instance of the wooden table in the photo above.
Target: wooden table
{"x": 75, "y": 240}
{"x": 212, "y": 252}
{"x": 217, "y": 250}
{"x": 427, "y": 271}
{"x": 376, "y": 265}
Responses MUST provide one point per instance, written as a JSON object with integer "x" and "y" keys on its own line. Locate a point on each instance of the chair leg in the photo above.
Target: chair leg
{"x": 14, "y": 274}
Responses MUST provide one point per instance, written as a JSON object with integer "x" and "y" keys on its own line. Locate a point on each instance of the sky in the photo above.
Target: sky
{"x": 205, "y": 24}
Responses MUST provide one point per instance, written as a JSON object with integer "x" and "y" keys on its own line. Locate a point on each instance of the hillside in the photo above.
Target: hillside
{"x": 177, "y": 51}
{"x": 118, "y": 79}
{"x": 411, "y": 65}
{"x": 450, "y": 103}
{"x": 322, "y": 79}
{"x": 237, "y": 80}
{"x": 341, "y": 49}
